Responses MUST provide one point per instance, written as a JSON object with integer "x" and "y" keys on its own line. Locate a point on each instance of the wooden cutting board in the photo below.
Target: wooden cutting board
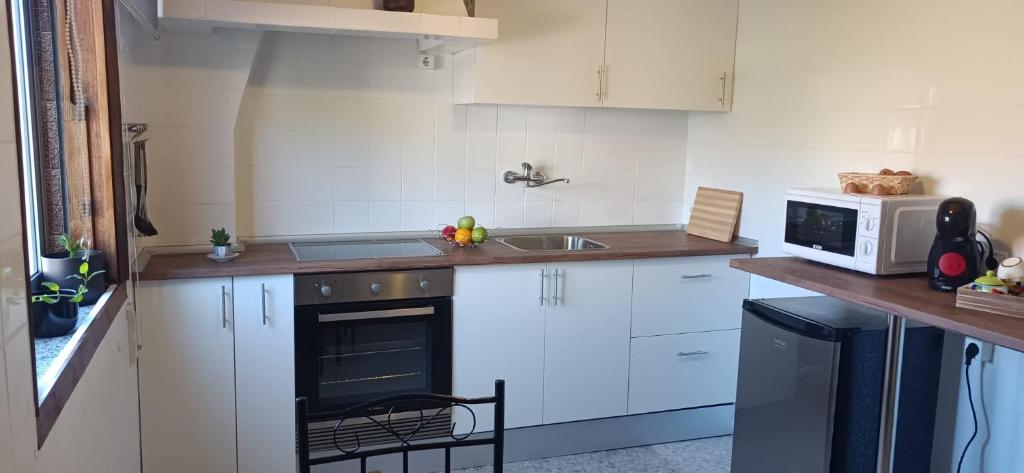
{"x": 715, "y": 214}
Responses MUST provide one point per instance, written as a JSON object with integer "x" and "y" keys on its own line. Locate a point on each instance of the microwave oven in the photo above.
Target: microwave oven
{"x": 871, "y": 234}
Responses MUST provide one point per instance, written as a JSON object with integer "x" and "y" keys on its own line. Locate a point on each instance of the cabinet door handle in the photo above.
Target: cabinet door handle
{"x": 604, "y": 82}
{"x": 721, "y": 99}
{"x": 685, "y": 354}
{"x": 543, "y": 276}
{"x": 600, "y": 82}
{"x": 224, "y": 306}
{"x": 696, "y": 276}
{"x": 558, "y": 273}
{"x": 263, "y": 302}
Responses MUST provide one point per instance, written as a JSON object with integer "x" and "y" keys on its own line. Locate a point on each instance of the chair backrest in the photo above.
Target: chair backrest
{"x": 429, "y": 406}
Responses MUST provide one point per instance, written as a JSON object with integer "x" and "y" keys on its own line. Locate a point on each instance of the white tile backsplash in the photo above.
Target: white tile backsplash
{"x": 345, "y": 134}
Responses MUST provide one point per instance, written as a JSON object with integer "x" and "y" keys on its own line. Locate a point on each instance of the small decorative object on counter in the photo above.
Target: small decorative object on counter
{"x": 221, "y": 241}
{"x": 885, "y": 182}
{"x": 395, "y": 5}
{"x": 975, "y": 296}
{"x": 1011, "y": 271}
{"x": 466, "y": 235}
{"x": 54, "y": 310}
{"x": 989, "y": 283}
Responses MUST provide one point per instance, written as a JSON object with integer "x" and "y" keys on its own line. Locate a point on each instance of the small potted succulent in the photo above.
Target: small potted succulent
{"x": 54, "y": 309}
{"x": 221, "y": 240}
{"x": 62, "y": 267}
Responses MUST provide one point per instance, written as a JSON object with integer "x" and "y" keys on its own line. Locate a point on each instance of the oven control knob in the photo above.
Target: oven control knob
{"x": 325, "y": 290}
{"x": 425, "y": 285}
{"x": 375, "y": 287}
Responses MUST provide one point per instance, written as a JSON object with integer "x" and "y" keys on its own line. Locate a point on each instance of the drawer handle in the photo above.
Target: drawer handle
{"x": 696, "y": 276}
{"x": 684, "y": 354}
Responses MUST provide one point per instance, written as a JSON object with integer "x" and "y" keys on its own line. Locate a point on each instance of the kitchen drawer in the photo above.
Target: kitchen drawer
{"x": 692, "y": 294}
{"x": 680, "y": 371}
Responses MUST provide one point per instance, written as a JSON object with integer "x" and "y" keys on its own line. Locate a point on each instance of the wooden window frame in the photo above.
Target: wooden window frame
{"x": 96, "y": 204}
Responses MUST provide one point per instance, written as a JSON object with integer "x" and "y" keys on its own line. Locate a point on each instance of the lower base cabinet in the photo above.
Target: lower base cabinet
{"x": 498, "y": 333}
{"x": 560, "y": 335}
{"x": 216, "y": 375}
{"x": 679, "y": 371}
{"x": 265, "y": 373}
{"x": 586, "y": 342}
{"x": 187, "y": 376}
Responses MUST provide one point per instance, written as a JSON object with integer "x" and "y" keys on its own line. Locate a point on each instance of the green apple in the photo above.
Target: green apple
{"x": 479, "y": 235}
{"x": 467, "y": 222}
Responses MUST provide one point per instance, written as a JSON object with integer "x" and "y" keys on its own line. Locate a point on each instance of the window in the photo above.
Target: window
{"x": 72, "y": 180}
{"x": 27, "y": 118}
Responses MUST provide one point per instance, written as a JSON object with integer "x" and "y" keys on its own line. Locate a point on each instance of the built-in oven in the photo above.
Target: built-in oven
{"x": 364, "y": 336}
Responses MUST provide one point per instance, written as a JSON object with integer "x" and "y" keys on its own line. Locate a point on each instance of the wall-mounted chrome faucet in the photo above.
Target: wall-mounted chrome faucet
{"x": 531, "y": 177}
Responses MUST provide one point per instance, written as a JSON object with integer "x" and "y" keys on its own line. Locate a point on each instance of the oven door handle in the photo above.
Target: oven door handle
{"x": 375, "y": 314}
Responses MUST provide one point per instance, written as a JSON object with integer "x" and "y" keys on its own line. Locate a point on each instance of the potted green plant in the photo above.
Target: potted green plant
{"x": 221, "y": 240}
{"x": 54, "y": 309}
{"x": 61, "y": 267}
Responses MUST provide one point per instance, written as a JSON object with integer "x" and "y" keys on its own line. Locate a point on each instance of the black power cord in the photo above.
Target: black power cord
{"x": 969, "y": 355}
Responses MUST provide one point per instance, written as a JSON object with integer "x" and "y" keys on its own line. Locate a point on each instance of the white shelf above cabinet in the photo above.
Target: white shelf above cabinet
{"x": 438, "y": 34}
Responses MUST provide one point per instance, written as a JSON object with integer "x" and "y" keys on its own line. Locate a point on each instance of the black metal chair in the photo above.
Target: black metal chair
{"x": 380, "y": 412}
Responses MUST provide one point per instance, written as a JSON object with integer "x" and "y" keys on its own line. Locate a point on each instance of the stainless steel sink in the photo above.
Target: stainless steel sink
{"x": 552, "y": 243}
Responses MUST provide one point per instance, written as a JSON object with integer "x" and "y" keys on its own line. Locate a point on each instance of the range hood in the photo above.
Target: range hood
{"x": 437, "y": 34}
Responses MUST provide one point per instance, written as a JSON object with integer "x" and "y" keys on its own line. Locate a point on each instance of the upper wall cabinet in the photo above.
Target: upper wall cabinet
{"x": 651, "y": 54}
{"x": 549, "y": 54}
{"x": 670, "y": 54}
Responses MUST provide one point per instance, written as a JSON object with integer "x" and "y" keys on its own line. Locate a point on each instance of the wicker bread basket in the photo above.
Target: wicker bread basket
{"x": 895, "y": 185}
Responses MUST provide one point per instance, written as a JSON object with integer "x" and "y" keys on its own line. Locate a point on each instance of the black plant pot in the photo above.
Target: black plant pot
{"x": 395, "y": 5}
{"x": 53, "y": 320}
{"x": 59, "y": 267}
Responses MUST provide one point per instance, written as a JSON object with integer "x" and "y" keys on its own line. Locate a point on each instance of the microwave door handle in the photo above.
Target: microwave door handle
{"x": 375, "y": 314}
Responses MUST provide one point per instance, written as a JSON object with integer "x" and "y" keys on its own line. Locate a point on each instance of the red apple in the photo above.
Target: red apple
{"x": 449, "y": 232}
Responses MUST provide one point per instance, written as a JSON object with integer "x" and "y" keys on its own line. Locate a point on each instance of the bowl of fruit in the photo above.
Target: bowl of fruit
{"x": 465, "y": 233}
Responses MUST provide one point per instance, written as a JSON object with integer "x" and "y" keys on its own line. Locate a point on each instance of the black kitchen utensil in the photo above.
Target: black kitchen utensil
{"x": 142, "y": 223}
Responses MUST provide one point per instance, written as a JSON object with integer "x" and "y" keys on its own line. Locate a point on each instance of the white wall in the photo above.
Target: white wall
{"x": 188, "y": 89}
{"x": 932, "y": 86}
{"x": 345, "y": 134}
{"x": 97, "y": 432}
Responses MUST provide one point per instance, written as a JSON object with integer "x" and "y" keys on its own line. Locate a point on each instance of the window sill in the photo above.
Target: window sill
{"x": 52, "y": 354}
{"x": 69, "y": 356}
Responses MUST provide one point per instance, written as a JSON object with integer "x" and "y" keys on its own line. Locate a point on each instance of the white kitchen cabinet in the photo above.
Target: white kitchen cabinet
{"x": 186, "y": 376}
{"x": 650, "y": 54}
{"x": 265, "y": 373}
{"x": 694, "y": 294}
{"x": 548, "y": 53}
{"x": 682, "y": 371}
{"x": 586, "y": 345}
{"x": 670, "y": 54}
{"x": 498, "y": 333}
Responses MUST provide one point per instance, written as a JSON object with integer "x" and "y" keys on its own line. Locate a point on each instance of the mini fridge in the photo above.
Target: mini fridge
{"x": 810, "y": 388}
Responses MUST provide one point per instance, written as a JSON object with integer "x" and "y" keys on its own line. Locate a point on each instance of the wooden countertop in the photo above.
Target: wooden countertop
{"x": 278, "y": 258}
{"x": 907, "y": 296}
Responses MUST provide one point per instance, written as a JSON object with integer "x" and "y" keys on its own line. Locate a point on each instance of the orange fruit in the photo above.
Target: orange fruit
{"x": 463, "y": 236}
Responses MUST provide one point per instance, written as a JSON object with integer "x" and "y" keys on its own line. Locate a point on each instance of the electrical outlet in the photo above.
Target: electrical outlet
{"x": 427, "y": 61}
{"x": 985, "y": 349}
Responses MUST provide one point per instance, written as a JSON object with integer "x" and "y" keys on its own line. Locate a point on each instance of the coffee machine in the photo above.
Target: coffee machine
{"x": 956, "y": 257}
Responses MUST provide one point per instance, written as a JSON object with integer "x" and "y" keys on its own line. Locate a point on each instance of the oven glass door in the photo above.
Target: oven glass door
{"x": 821, "y": 227}
{"x": 361, "y": 352}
